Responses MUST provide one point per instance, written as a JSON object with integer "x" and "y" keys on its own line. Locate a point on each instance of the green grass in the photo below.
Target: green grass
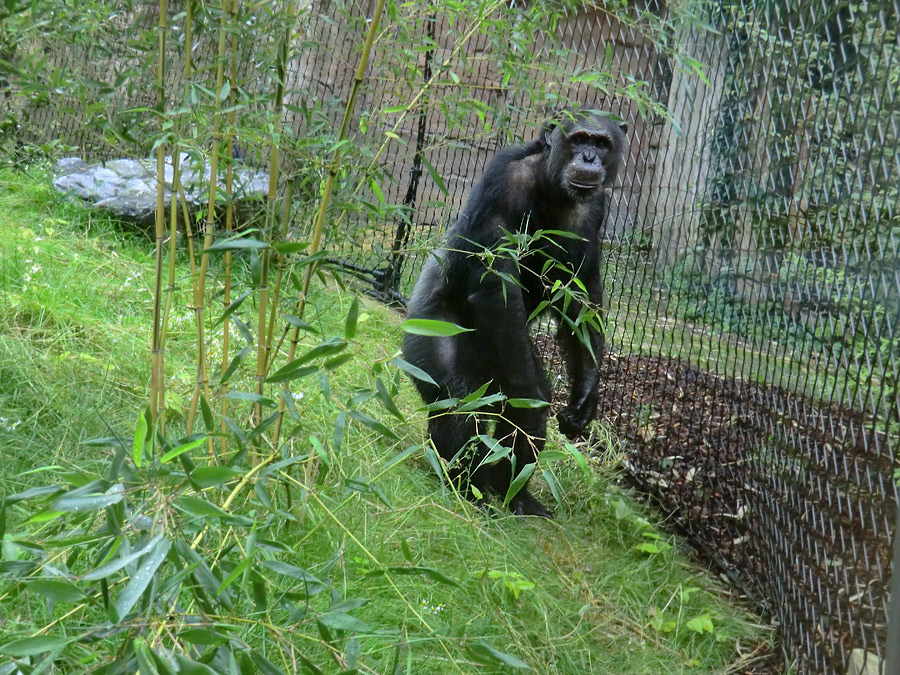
{"x": 597, "y": 590}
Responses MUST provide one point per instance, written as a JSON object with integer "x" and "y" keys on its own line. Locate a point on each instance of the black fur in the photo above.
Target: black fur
{"x": 557, "y": 182}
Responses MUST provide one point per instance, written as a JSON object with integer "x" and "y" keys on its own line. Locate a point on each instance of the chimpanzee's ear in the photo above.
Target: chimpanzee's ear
{"x": 547, "y": 131}
{"x": 624, "y": 127}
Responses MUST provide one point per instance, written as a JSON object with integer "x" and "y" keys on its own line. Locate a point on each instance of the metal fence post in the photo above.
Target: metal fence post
{"x": 892, "y": 656}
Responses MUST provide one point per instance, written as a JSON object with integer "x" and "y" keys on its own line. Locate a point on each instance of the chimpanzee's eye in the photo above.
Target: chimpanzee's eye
{"x": 580, "y": 138}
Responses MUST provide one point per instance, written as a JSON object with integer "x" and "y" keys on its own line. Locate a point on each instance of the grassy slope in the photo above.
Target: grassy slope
{"x": 575, "y": 595}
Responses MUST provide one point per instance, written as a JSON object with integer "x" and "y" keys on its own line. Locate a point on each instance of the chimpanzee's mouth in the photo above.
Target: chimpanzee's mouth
{"x": 583, "y": 186}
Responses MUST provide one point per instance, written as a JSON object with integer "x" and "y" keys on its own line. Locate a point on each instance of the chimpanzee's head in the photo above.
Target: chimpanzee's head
{"x": 583, "y": 153}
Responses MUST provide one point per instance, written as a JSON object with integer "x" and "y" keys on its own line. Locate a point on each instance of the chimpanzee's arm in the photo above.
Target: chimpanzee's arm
{"x": 500, "y": 321}
{"x": 582, "y": 351}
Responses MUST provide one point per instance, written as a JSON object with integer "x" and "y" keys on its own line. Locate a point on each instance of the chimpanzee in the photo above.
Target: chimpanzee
{"x": 551, "y": 194}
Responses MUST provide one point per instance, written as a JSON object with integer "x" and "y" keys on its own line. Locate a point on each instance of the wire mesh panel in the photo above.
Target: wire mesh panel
{"x": 752, "y": 274}
{"x": 755, "y": 313}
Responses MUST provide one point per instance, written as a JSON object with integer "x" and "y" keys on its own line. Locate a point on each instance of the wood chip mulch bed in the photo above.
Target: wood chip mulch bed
{"x": 693, "y": 442}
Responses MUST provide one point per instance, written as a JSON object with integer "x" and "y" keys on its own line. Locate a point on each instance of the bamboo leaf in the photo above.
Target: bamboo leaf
{"x": 239, "y": 243}
{"x": 341, "y": 621}
{"x": 387, "y": 400}
{"x": 527, "y": 403}
{"x": 115, "y": 565}
{"x": 265, "y": 666}
{"x": 291, "y": 571}
{"x": 414, "y": 371}
{"x": 352, "y": 318}
{"x": 373, "y": 424}
{"x": 430, "y": 572}
{"x": 210, "y": 476}
{"x": 142, "y": 577}
{"x": 58, "y": 590}
{"x": 518, "y": 483}
{"x": 140, "y": 438}
{"x": 32, "y": 646}
{"x": 85, "y": 498}
{"x": 181, "y": 449}
{"x": 432, "y": 328}
{"x": 483, "y": 652}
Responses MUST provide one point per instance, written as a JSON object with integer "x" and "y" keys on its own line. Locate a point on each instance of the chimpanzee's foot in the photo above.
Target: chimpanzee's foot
{"x": 523, "y": 504}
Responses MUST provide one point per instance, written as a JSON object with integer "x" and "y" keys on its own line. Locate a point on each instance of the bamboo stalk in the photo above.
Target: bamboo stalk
{"x": 262, "y": 339}
{"x": 157, "y": 359}
{"x": 316, "y": 243}
{"x": 229, "y": 225}
{"x": 173, "y": 207}
{"x": 202, "y": 382}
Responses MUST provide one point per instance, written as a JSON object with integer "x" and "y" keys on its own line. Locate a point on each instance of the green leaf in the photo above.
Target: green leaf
{"x": 200, "y": 508}
{"x": 57, "y": 590}
{"x": 235, "y": 395}
{"x": 579, "y": 459}
{"x": 103, "y": 442}
{"x": 20, "y": 649}
{"x": 435, "y": 176}
{"x": 550, "y": 479}
{"x": 496, "y": 451}
{"x": 291, "y": 571}
{"x": 188, "y": 666}
{"x": 202, "y": 636}
{"x": 648, "y": 547}
{"x": 432, "y": 328}
{"x": 623, "y": 511}
{"x": 526, "y": 403}
{"x": 34, "y": 492}
{"x": 236, "y": 243}
{"x": 430, "y": 572}
{"x": 300, "y": 323}
{"x": 206, "y": 412}
{"x": 518, "y": 483}
{"x": 373, "y": 424}
{"x": 481, "y": 651}
{"x": 396, "y": 459}
{"x": 140, "y": 438}
{"x": 341, "y": 621}
{"x": 181, "y": 449}
{"x": 209, "y": 476}
{"x": 238, "y": 570}
{"x": 483, "y": 402}
{"x": 414, "y": 371}
{"x": 237, "y": 302}
{"x": 235, "y": 362}
{"x": 352, "y": 319}
{"x": 265, "y": 666}
{"x": 292, "y": 371}
{"x": 701, "y": 624}
{"x": 81, "y": 500}
{"x": 115, "y": 565}
{"x": 547, "y": 456}
{"x": 142, "y": 577}
{"x": 144, "y": 657}
{"x": 291, "y": 247}
{"x": 376, "y": 190}
{"x": 387, "y": 400}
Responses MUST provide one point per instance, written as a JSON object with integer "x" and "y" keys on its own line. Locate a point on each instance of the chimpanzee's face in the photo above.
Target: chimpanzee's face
{"x": 584, "y": 155}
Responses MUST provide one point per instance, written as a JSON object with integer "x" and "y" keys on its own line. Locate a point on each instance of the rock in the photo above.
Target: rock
{"x": 864, "y": 663}
{"x": 127, "y": 187}
{"x": 69, "y": 165}
{"x": 127, "y": 168}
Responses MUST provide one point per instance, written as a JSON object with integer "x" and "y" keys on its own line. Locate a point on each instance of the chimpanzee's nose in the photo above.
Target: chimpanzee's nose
{"x": 589, "y": 156}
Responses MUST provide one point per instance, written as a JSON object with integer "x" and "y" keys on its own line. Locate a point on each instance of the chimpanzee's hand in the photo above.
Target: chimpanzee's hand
{"x": 572, "y": 423}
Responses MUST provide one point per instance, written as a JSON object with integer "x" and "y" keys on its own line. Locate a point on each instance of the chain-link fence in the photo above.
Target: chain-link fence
{"x": 752, "y": 275}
